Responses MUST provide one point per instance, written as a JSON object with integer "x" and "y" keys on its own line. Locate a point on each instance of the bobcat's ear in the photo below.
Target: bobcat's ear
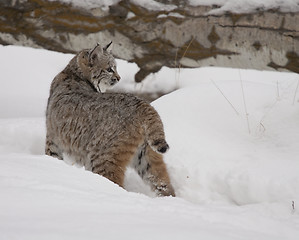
{"x": 108, "y": 48}
{"x": 94, "y": 53}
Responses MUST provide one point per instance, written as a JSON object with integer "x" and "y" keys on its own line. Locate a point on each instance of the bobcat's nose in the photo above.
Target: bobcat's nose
{"x": 114, "y": 81}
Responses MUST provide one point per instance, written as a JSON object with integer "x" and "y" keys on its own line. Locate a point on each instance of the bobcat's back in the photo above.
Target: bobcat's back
{"x": 82, "y": 116}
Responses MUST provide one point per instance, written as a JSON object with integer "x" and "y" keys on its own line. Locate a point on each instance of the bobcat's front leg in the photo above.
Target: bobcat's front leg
{"x": 52, "y": 149}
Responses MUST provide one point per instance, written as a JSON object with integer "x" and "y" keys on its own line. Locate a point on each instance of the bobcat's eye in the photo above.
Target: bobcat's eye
{"x": 110, "y": 70}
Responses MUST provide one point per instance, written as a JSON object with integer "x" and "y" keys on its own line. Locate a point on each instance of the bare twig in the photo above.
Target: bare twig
{"x": 187, "y": 48}
{"x": 267, "y": 112}
{"x": 262, "y": 126}
{"x": 277, "y": 90}
{"x": 177, "y": 72}
{"x": 179, "y": 65}
{"x": 295, "y": 92}
{"x": 225, "y": 97}
{"x": 176, "y": 58}
{"x": 244, "y": 101}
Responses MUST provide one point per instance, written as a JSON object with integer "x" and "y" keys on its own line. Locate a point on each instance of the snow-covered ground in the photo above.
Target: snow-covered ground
{"x": 233, "y": 159}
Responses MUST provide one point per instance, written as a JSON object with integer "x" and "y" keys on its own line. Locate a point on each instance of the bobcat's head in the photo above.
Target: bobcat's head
{"x": 99, "y": 67}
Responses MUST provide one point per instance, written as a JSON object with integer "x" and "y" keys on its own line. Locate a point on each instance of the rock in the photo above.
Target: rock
{"x": 177, "y": 35}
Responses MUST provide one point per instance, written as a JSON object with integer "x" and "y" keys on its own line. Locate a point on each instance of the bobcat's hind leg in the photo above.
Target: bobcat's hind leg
{"x": 52, "y": 149}
{"x": 112, "y": 164}
{"x": 152, "y": 169}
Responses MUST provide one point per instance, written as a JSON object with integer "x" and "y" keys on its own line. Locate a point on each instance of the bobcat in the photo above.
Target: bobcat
{"x": 104, "y": 132}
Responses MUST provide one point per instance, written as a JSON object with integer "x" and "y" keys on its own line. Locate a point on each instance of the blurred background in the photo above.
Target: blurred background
{"x": 246, "y": 34}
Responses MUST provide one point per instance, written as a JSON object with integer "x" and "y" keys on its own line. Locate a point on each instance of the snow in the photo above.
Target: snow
{"x": 172, "y": 14}
{"x": 234, "y": 179}
{"x": 235, "y": 6}
{"x": 247, "y": 6}
{"x": 90, "y": 4}
{"x": 154, "y": 5}
{"x": 104, "y": 4}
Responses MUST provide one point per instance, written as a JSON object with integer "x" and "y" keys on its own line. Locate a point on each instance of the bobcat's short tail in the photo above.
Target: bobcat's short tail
{"x": 154, "y": 132}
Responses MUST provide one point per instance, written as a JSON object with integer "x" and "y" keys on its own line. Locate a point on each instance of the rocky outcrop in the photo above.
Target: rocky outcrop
{"x": 185, "y": 36}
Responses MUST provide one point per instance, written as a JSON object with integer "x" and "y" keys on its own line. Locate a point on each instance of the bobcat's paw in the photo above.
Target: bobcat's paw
{"x": 165, "y": 190}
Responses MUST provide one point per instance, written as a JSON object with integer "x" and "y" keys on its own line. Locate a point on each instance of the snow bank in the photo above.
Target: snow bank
{"x": 230, "y": 183}
{"x": 27, "y": 74}
{"x": 228, "y": 163}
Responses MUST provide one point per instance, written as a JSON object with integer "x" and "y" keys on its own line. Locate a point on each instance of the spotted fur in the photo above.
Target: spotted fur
{"x": 105, "y": 132}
